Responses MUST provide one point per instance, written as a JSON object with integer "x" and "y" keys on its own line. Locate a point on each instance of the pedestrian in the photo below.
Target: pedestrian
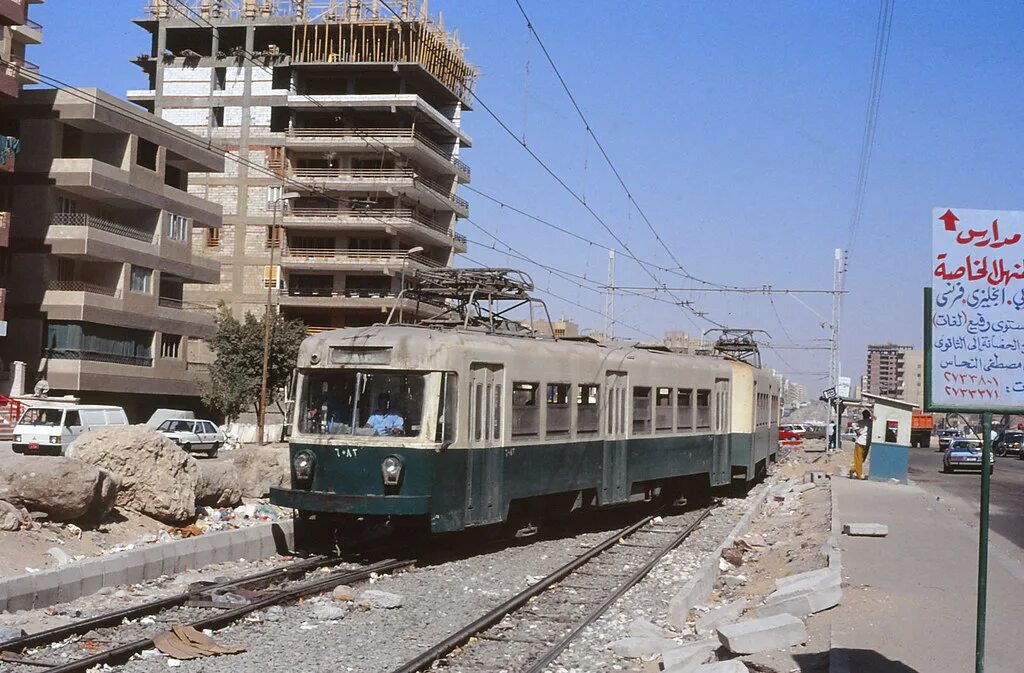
{"x": 831, "y": 436}
{"x": 861, "y": 444}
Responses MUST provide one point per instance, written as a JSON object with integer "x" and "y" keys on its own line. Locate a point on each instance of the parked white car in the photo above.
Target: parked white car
{"x": 193, "y": 435}
{"x": 50, "y": 430}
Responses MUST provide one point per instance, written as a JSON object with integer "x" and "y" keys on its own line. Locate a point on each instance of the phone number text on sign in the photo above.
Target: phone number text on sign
{"x": 977, "y": 312}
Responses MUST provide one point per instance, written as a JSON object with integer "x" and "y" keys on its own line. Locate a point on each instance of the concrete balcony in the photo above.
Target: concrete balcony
{"x": 99, "y": 239}
{"x": 354, "y": 260}
{"x": 29, "y": 32}
{"x": 69, "y": 369}
{"x": 12, "y": 12}
{"x": 141, "y": 95}
{"x": 395, "y": 181}
{"x": 5, "y": 229}
{"x": 407, "y": 142}
{"x": 411, "y": 224}
{"x": 24, "y": 71}
{"x": 384, "y": 102}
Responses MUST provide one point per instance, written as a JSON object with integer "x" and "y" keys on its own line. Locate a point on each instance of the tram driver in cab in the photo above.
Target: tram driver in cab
{"x": 385, "y": 420}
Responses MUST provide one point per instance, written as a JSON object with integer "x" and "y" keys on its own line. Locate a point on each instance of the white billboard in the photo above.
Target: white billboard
{"x": 976, "y": 320}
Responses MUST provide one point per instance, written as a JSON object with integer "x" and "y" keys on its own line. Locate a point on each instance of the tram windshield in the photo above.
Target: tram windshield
{"x": 368, "y": 403}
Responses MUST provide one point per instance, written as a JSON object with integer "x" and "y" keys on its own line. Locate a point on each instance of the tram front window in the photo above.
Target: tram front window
{"x": 368, "y": 403}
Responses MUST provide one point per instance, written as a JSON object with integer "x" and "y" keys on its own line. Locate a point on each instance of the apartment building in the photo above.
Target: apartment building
{"x": 347, "y": 124}
{"x": 894, "y": 371}
{"x": 102, "y": 250}
{"x": 17, "y": 31}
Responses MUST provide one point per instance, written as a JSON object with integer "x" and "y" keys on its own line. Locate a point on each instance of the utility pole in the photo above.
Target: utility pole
{"x": 834, "y": 368}
{"x": 609, "y": 300}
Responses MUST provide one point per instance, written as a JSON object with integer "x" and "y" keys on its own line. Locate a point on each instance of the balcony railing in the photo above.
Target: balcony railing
{"x": 80, "y": 286}
{"x": 374, "y": 133}
{"x": 369, "y": 214}
{"x": 24, "y": 68}
{"x": 445, "y": 192}
{"x": 32, "y": 24}
{"x": 109, "y": 226}
{"x": 331, "y": 292}
{"x": 364, "y": 256}
{"x": 352, "y": 173}
{"x": 181, "y": 304}
{"x": 97, "y": 356}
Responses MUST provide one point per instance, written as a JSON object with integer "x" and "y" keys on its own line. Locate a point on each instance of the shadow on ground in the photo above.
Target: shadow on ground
{"x": 856, "y": 660}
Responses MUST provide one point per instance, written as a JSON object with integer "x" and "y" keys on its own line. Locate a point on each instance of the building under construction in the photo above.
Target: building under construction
{"x": 345, "y": 118}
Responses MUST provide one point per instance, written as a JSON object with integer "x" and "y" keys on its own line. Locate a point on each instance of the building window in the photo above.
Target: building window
{"x": 220, "y": 77}
{"x": 588, "y": 412}
{"x": 274, "y": 236}
{"x": 272, "y": 276}
{"x": 170, "y": 345}
{"x": 213, "y": 237}
{"x": 146, "y": 153}
{"x": 558, "y": 410}
{"x": 177, "y": 227}
{"x": 66, "y": 206}
{"x": 525, "y": 410}
{"x": 141, "y": 280}
{"x": 218, "y": 117}
{"x": 98, "y": 343}
{"x": 273, "y": 196}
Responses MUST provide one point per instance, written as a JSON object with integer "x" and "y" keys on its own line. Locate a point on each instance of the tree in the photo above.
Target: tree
{"x": 234, "y": 384}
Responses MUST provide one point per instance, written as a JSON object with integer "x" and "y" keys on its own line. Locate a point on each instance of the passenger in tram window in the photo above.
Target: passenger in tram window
{"x": 386, "y": 420}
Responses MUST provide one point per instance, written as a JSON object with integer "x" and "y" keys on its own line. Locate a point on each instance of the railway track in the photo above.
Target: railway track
{"x": 114, "y": 637}
{"x": 527, "y": 632}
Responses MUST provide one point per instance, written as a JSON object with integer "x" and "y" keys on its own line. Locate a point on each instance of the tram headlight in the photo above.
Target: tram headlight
{"x": 391, "y": 469}
{"x": 303, "y": 463}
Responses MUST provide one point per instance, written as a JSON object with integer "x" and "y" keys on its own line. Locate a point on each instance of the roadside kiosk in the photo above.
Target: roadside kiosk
{"x": 890, "y": 438}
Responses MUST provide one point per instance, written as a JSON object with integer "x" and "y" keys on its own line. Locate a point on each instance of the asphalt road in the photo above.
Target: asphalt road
{"x": 962, "y": 491}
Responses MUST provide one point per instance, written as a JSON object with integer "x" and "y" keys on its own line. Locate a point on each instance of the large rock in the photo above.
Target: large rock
{"x": 219, "y": 485}
{"x": 64, "y": 488}
{"x": 158, "y": 479}
{"x": 12, "y": 518}
{"x": 260, "y": 467}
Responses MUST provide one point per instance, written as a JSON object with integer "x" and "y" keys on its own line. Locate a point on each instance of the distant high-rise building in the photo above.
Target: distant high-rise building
{"x": 347, "y": 121}
{"x": 894, "y": 371}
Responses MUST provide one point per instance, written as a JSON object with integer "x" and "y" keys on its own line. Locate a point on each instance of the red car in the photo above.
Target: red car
{"x": 789, "y": 436}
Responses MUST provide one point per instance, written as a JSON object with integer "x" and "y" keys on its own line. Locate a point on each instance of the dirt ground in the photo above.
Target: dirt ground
{"x": 785, "y": 540}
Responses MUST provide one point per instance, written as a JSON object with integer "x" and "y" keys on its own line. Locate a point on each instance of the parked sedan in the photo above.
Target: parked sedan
{"x": 945, "y": 436}
{"x": 1009, "y": 441}
{"x": 964, "y": 454}
{"x": 193, "y": 435}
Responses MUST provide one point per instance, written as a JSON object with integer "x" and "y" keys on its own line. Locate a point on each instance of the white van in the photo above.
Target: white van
{"x": 50, "y": 430}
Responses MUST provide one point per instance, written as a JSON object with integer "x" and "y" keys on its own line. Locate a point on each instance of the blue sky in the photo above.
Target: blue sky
{"x": 736, "y": 125}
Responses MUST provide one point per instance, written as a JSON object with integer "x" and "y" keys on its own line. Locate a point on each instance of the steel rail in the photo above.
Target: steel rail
{"x": 123, "y": 652}
{"x": 114, "y": 618}
{"x": 635, "y": 579}
{"x": 463, "y": 635}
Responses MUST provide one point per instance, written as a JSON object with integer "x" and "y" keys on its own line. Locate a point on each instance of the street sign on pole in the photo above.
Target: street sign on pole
{"x": 843, "y": 387}
{"x": 974, "y": 317}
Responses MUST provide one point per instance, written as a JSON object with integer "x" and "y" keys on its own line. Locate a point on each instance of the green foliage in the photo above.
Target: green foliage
{"x": 235, "y": 374}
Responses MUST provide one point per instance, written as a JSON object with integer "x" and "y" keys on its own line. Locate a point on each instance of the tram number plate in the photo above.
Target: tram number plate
{"x": 346, "y": 453}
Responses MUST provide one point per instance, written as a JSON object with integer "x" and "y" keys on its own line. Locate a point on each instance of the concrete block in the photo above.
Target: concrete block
{"x": 804, "y": 487}
{"x": 815, "y": 579}
{"x": 152, "y": 561}
{"x": 689, "y": 656}
{"x": 3, "y": 593}
{"x": 114, "y": 566}
{"x": 230, "y": 545}
{"x": 731, "y": 666}
{"x": 725, "y": 614}
{"x": 21, "y": 592}
{"x": 640, "y": 647}
{"x": 134, "y": 566}
{"x": 252, "y": 537}
{"x": 763, "y": 634}
{"x": 866, "y": 529}
{"x": 47, "y": 586}
{"x": 803, "y": 603}
{"x": 815, "y": 477}
{"x": 92, "y": 576}
{"x": 641, "y": 628}
{"x": 205, "y": 545}
{"x": 69, "y": 586}
{"x": 284, "y": 536}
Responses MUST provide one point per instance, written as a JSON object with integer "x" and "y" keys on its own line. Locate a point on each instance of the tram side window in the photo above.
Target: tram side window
{"x": 558, "y": 410}
{"x": 525, "y": 410}
{"x": 447, "y": 410}
{"x": 684, "y": 403}
{"x": 373, "y": 403}
{"x": 588, "y": 411}
{"x": 703, "y": 409}
{"x": 663, "y": 410}
{"x": 641, "y": 411}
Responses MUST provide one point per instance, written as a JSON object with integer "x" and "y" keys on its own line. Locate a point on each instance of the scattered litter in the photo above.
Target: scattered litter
{"x": 184, "y": 642}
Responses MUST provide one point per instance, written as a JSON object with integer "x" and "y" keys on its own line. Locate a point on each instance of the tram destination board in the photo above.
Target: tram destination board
{"x": 974, "y": 312}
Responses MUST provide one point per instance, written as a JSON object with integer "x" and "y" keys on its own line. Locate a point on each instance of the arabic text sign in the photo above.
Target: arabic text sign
{"x": 977, "y": 330}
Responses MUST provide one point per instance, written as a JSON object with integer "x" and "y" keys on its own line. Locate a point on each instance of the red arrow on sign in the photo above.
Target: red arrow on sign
{"x": 950, "y": 220}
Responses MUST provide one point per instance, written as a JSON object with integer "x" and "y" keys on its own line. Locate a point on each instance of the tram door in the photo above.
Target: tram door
{"x": 721, "y": 426}
{"x": 614, "y": 484}
{"x": 484, "y": 473}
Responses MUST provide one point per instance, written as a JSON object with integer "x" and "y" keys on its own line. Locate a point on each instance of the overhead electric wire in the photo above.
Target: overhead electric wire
{"x": 600, "y": 146}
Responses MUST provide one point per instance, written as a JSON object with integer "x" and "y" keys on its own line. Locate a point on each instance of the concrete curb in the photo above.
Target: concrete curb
{"x": 66, "y": 583}
{"x": 699, "y": 586}
{"x": 838, "y": 660}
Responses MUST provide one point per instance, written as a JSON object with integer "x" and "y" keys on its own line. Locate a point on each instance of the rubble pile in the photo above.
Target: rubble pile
{"x": 158, "y": 478}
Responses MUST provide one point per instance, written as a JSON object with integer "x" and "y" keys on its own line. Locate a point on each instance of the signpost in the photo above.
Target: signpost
{"x": 843, "y": 387}
{"x": 974, "y": 337}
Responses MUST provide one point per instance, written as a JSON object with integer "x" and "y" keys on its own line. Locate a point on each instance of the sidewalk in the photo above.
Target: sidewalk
{"x": 909, "y": 601}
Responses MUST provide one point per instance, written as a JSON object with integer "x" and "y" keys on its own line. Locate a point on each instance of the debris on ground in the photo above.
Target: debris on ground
{"x": 184, "y": 642}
